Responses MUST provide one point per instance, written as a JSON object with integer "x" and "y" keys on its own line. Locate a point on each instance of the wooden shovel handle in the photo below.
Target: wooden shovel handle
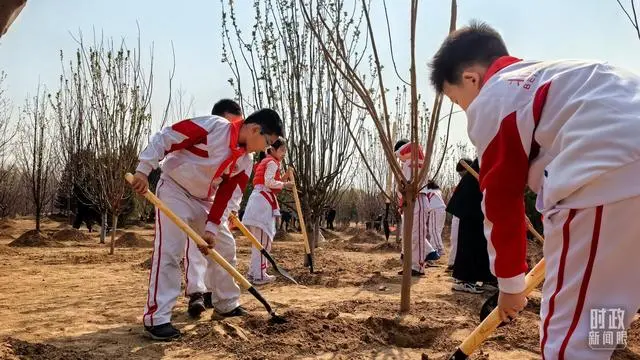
{"x": 214, "y": 255}
{"x": 294, "y": 191}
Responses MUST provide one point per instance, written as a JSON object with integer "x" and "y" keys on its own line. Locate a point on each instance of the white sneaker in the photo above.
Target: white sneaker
{"x": 266, "y": 279}
{"x": 467, "y": 287}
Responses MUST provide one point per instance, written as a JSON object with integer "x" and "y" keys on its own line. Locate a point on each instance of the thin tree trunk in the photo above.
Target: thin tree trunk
{"x": 103, "y": 228}
{"x": 407, "y": 227}
{"x": 113, "y": 234}
{"x": 38, "y": 216}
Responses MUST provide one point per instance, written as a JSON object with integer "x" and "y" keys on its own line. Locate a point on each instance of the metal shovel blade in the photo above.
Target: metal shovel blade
{"x": 489, "y": 305}
{"x": 280, "y": 270}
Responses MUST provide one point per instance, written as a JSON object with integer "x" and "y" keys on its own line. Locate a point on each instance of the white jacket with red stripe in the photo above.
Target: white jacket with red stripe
{"x": 568, "y": 129}
{"x": 203, "y": 157}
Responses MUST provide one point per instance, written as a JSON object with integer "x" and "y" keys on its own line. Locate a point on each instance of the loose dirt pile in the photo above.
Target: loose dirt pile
{"x": 387, "y": 246}
{"x": 367, "y": 237}
{"x": 14, "y": 349}
{"x": 534, "y": 253}
{"x": 312, "y": 333}
{"x": 282, "y": 235}
{"x": 33, "y": 238}
{"x": 71, "y": 235}
{"x": 132, "y": 240}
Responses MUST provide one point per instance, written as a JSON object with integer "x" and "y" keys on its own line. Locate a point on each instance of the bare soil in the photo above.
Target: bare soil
{"x": 81, "y": 303}
{"x": 131, "y": 239}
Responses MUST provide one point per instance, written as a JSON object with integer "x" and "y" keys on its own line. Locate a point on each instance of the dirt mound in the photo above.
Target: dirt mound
{"x": 392, "y": 263}
{"x": 311, "y": 333}
{"x": 32, "y": 238}
{"x": 367, "y": 236}
{"x": 350, "y": 231}
{"x": 14, "y": 349}
{"x": 329, "y": 235}
{"x": 386, "y": 246}
{"x": 71, "y": 235}
{"x": 132, "y": 240}
{"x": 282, "y": 235}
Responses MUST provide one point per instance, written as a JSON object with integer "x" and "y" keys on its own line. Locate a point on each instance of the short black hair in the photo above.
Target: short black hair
{"x": 475, "y": 44}
{"x": 226, "y": 106}
{"x": 269, "y": 120}
{"x": 431, "y": 184}
{"x": 400, "y": 143}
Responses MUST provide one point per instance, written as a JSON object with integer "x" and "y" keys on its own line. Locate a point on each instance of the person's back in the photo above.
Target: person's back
{"x": 570, "y": 130}
{"x": 568, "y": 111}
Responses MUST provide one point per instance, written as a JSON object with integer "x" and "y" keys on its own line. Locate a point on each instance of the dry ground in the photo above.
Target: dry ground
{"x": 74, "y": 301}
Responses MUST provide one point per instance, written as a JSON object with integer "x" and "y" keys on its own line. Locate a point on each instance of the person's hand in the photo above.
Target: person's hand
{"x": 288, "y": 185}
{"x": 210, "y": 239}
{"x": 140, "y": 183}
{"x": 509, "y": 305}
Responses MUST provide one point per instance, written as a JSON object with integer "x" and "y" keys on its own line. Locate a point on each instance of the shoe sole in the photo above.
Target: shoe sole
{"x": 158, "y": 338}
{"x": 467, "y": 291}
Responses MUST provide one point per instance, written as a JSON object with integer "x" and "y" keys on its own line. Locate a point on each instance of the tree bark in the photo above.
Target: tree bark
{"x": 38, "y": 216}
{"x": 407, "y": 227}
{"x": 103, "y": 228}
{"x": 113, "y": 234}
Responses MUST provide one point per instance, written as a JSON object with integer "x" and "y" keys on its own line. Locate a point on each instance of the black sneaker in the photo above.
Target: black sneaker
{"x": 413, "y": 273}
{"x": 164, "y": 332}
{"x": 208, "y": 303}
{"x": 239, "y": 311}
{"x": 196, "y": 305}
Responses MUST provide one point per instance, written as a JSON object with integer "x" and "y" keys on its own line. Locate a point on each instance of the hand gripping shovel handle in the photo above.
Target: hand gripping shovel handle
{"x": 491, "y": 322}
{"x": 260, "y": 248}
{"x": 534, "y": 278}
{"x": 305, "y": 236}
{"x": 214, "y": 255}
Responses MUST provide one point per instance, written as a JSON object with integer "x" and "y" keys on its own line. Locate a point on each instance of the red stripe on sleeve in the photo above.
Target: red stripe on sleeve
{"x": 195, "y": 135}
{"x": 224, "y": 194}
{"x": 539, "y": 99}
{"x": 503, "y": 177}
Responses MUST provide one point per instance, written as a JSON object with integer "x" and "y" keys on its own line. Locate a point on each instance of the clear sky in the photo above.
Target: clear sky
{"x": 542, "y": 29}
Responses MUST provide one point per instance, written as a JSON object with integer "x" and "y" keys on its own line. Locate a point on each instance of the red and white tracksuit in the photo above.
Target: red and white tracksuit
{"x": 435, "y": 219}
{"x": 420, "y": 245}
{"x": 261, "y": 212}
{"x": 570, "y": 130}
{"x": 203, "y": 176}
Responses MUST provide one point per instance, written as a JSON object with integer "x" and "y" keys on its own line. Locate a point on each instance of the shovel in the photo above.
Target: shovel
{"x": 211, "y": 253}
{"x": 234, "y": 219}
{"x": 305, "y": 236}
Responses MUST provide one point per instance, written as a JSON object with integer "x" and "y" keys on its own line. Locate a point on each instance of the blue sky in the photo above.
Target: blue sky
{"x": 543, "y": 29}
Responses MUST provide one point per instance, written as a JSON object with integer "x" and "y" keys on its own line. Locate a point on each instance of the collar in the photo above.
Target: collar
{"x": 235, "y": 133}
{"x": 499, "y": 64}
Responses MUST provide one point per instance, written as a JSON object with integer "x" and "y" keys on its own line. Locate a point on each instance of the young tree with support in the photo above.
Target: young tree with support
{"x": 320, "y": 17}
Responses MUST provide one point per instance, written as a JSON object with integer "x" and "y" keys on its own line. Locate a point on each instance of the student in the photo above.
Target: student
{"x": 206, "y": 166}
{"x": 471, "y": 264}
{"x": 569, "y": 130}
{"x": 195, "y": 263}
{"x": 436, "y": 216}
{"x": 422, "y": 253}
{"x": 262, "y": 208}
{"x": 455, "y": 223}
